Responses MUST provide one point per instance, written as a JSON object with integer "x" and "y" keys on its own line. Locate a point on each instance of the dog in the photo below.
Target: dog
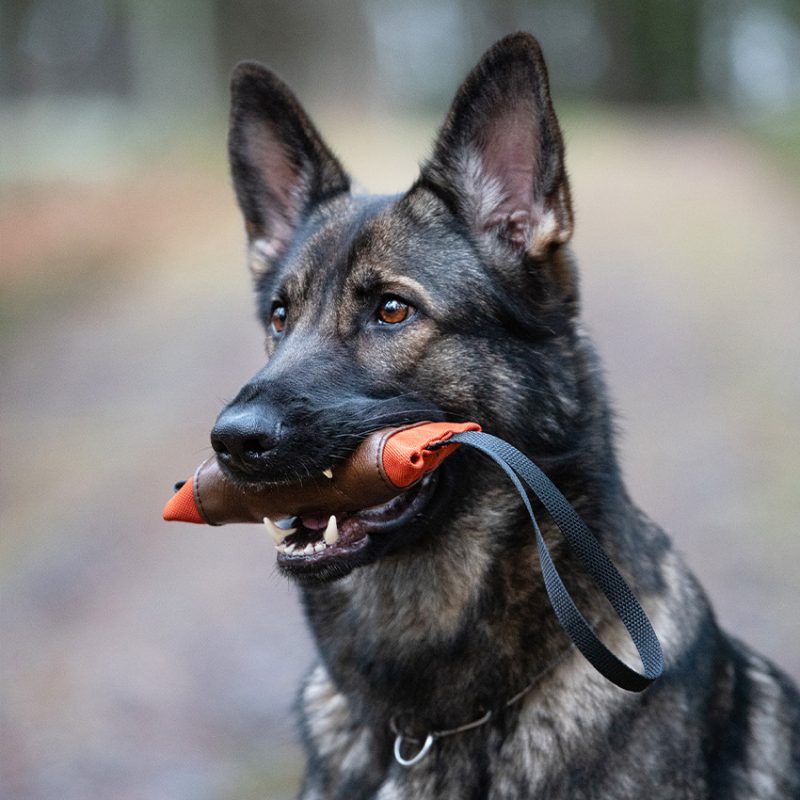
{"x": 458, "y": 300}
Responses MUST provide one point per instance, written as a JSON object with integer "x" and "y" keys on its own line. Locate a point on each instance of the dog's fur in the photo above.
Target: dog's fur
{"x": 435, "y": 624}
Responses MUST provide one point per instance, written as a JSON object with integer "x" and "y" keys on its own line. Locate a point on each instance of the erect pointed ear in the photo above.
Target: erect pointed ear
{"x": 499, "y": 157}
{"x": 281, "y": 167}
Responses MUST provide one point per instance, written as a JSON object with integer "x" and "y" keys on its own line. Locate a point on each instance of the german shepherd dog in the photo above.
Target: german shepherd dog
{"x": 458, "y": 300}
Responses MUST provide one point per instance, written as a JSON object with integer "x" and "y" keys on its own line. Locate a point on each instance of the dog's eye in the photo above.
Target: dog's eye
{"x": 393, "y": 310}
{"x": 278, "y": 320}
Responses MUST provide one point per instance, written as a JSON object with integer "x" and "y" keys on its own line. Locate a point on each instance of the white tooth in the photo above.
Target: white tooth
{"x": 319, "y": 547}
{"x": 328, "y": 473}
{"x": 277, "y": 534}
{"x": 309, "y": 549}
{"x": 331, "y": 535}
{"x": 281, "y": 548}
{"x": 290, "y": 548}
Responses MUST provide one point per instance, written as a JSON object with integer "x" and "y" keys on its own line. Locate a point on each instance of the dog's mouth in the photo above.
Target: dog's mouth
{"x": 324, "y": 547}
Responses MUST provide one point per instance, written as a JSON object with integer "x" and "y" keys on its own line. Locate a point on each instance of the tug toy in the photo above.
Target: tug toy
{"x": 385, "y": 464}
{"x": 389, "y": 462}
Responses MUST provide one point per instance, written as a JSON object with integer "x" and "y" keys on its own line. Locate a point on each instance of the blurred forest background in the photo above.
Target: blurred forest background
{"x": 144, "y": 661}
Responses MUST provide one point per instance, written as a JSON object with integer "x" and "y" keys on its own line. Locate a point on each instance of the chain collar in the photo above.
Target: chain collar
{"x": 429, "y": 740}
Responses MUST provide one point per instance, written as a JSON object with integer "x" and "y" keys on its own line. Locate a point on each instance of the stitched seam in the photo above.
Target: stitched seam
{"x": 379, "y": 464}
{"x": 196, "y": 491}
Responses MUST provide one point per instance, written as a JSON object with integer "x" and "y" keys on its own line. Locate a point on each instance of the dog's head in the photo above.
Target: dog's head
{"x": 455, "y": 300}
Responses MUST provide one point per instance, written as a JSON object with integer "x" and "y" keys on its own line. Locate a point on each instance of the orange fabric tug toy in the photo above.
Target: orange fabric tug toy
{"x": 385, "y": 464}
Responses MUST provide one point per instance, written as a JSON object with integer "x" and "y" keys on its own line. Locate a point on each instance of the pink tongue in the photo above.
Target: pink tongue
{"x": 314, "y": 523}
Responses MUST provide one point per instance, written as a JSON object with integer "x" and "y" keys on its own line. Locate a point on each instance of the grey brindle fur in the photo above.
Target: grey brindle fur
{"x": 435, "y": 622}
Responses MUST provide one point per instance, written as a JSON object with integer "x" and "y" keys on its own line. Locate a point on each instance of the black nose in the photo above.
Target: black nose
{"x": 243, "y": 438}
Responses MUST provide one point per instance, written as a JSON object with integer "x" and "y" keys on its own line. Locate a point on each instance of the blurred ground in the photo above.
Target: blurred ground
{"x": 146, "y": 661}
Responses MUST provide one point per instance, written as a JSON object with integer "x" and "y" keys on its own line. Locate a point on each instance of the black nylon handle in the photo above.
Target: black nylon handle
{"x": 605, "y": 575}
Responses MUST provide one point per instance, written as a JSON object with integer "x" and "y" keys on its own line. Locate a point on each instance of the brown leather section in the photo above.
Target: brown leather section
{"x": 357, "y": 483}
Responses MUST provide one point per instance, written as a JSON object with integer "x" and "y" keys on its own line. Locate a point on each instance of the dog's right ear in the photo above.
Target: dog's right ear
{"x": 280, "y": 165}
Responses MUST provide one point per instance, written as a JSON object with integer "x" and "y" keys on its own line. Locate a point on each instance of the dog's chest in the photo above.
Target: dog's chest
{"x": 577, "y": 738}
{"x": 529, "y": 758}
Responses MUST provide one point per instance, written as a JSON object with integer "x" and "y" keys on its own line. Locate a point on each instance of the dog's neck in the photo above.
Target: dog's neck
{"x": 458, "y": 623}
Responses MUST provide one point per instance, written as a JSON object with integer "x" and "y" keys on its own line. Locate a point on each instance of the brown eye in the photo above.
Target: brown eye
{"x": 278, "y": 320}
{"x": 393, "y": 310}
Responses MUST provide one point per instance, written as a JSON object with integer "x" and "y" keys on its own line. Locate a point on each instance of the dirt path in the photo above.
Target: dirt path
{"x": 141, "y": 660}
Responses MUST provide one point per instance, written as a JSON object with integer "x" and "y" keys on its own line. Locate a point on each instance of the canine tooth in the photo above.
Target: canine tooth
{"x": 309, "y": 549}
{"x": 319, "y": 547}
{"x": 331, "y": 535}
{"x": 281, "y": 548}
{"x": 290, "y": 548}
{"x": 277, "y": 534}
{"x": 328, "y": 473}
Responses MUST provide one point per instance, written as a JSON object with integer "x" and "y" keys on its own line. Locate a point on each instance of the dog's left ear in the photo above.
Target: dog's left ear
{"x": 280, "y": 165}
{"x": 499, "y": 157}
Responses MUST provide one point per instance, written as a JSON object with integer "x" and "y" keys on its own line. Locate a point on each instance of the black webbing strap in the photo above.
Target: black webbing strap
{"x": 594, "y": 558}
